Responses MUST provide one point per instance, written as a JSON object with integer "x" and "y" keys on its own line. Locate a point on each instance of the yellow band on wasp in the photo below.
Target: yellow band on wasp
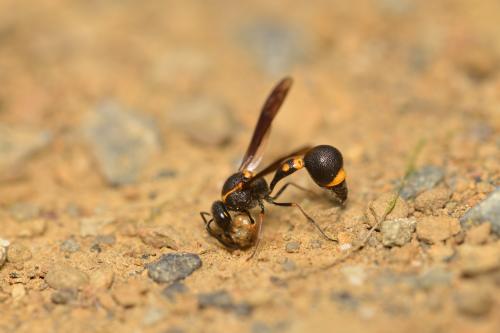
{"x": 339, "y": 178}
{"x": 234, "y": 189}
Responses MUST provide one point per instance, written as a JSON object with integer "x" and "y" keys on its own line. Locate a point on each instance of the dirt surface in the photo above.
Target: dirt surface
{"x": 120, "y": 121}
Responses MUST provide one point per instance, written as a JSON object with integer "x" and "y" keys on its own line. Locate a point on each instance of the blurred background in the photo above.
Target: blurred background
{"x": 124, "y": 118}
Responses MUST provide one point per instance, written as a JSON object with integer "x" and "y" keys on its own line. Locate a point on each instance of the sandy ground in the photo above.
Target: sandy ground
{"x": 120, "y": 121}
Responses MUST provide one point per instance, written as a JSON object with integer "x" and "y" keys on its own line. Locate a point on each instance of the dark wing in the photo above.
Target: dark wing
{"x": 273, "y": 166}
{"x": 253, "y": 155}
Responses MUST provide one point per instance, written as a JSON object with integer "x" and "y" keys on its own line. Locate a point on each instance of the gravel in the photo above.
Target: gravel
{"x": 292, "y": 247}
{"x": 487, "y": 210}
{"x": 397, "y": 232}
{"x": 222, "y": 299}
{"x": 434, "y": 229}
{"x": 421, "y": 180}
{"x": 122, "y": 141}
{"x": 18, "y": 253}
{"x": 173, "y": 267}
{"x": 64, "y": 296}
{"x": 70, "y": 245}
{"x": 204, "y": 120}
{"x": 66, "y": 277}
{"x": 173, "y": 290}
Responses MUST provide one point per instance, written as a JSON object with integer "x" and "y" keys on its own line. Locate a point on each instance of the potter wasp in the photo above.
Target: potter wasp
{"x": 247, "y": 189}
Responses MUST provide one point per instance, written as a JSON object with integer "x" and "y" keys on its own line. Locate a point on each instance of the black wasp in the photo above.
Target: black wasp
{"x": 245, "y": 189}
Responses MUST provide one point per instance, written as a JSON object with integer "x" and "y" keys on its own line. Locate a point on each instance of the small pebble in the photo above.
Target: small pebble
{"x": 487, "y": 210}
{"x": 345, "y": 247}
{"x": 288, "y": 265}
{"x": 18, "y": 291}
{"x": 70, "y": 245}
{"x": 92, "y": 226}
{"x": 397, "y": 232}
{"x": 441, "y": 252}
{"x": 32, "y": 228}
{"x": 204, "y": 120}
{"x": 222, "y": 299}
{"x": 479, "y": 234}
{"x": 152, "y": 316}
{"x": 130, "y": 294}
{"x": 66, "y": 277}
{"x": 64, "y": 296}
{"x": 475, "y": 260}
{"x": 380, "y": 206}
{"x": 18, "y": 253}
{"x": 473, "y": 301}
{"x": 173, "y": 290}
{"x": 292, "y": 247}
{"x": 433, "y": 277}
{"x": 123, "y": 142}
{"x": 102, "y": 278}
{"x": 315, "y": 244}
{"x": 345, "y": 299}
{"x": 173, "y": 267}
{"x": 433, "y": 229}
{"x": 157, "y": 238}
{"x": 421, "y": 180}
{"x": 105, "y": 239}
{"x": 355, "y": 275}
{"x": 432, "y": 200}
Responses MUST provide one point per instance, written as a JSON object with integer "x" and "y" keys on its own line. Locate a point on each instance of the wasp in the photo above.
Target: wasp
{"x": 247, "y": 189}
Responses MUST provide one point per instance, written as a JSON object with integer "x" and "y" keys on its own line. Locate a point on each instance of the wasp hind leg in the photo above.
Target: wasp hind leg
{"x": 309, "y": 218}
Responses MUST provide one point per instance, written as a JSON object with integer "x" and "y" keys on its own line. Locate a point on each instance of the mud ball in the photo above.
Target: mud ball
{"x": 243, "y": 231}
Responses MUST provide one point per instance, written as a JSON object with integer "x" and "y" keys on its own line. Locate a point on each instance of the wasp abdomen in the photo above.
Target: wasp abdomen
{"x": 326, "y": 167}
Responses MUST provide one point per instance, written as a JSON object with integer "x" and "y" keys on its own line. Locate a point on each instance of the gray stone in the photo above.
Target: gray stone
{"x": 18, "y": 253}
{"x": 397, "y": 232}
{"x": 433, "y": 277}
{"x": 204, "y": 120}
{"x": 275, "y": 46}
{"x": 173, "y": 267}
{"x": 64, "y": 296}
{"x": 70, "y": 245}
{"x": 487, "y": 210}
{"x": 123, "y": 142}
{"x": 292, "y": 247}
{"x": 222, "y": 299}
{"x": 423, "y": 179}
{"x": 173, "y": 290}
{"x": 345, "y": 299}
{"x": 288, "y": 265}
{"x": 473, "y": 301}
{"x": 66, "y": 277}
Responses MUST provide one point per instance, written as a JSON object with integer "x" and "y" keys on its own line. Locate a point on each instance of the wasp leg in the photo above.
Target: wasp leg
{"x": 223, "y": 237}
{"x": 284, "y": 187}
{"x": 310, "y": 219}
{"x": 259, "y": 231}
{"x": 204, "y": 217}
